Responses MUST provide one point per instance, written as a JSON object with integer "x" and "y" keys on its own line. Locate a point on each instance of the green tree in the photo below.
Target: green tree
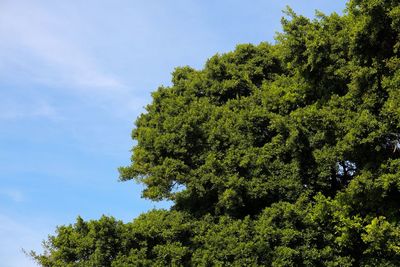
{"x": 284, "y": 154}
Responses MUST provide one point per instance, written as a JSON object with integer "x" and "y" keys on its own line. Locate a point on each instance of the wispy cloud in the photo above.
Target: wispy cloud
{"x": 38, "y": 43}
{"x": 44, "y": 51}
{"x": 16, "y": 236}
{"x": 10, "y": 109}
{"x": 13, "y": 194}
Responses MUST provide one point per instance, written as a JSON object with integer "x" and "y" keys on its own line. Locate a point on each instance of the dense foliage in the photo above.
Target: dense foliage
{"x": 284, "y": 154}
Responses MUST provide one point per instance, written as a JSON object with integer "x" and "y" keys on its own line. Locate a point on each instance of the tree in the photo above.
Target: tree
{"x": 282, "y": 154}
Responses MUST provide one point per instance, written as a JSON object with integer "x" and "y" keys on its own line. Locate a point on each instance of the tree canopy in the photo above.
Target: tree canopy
{"x": 284, "y": 154}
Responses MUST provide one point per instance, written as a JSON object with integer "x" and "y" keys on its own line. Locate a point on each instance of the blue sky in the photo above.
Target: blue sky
{"x": 74, "y": 75}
